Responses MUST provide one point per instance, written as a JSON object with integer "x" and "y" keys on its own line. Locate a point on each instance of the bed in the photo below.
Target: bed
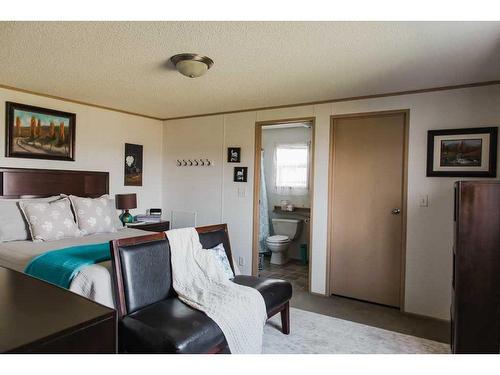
{"x": 94, "y": 281}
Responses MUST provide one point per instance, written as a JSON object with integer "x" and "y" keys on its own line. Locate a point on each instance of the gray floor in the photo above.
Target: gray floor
{"x": 356, "y": 311}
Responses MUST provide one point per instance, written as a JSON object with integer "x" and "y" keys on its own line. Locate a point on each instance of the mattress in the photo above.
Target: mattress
{"x": 93, "y": 282}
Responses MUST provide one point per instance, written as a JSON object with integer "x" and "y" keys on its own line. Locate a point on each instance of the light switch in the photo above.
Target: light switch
{"x": 242, "y": 192}
{"x": 423, "y": 200}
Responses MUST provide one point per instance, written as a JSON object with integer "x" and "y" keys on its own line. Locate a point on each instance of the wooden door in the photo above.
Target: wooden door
{"x": 367, "y": 217}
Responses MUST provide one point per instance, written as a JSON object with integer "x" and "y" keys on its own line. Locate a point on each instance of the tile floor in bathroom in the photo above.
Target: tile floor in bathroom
{"x": 354, "y": 310}
{"x": 293, "y": 271}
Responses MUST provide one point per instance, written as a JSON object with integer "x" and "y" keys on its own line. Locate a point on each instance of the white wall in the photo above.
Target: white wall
{"x": 429, "y": 232}
{"x": 100, "y": 144}
{"x": 210, "y": 191}
{"x": 192, "y": 188}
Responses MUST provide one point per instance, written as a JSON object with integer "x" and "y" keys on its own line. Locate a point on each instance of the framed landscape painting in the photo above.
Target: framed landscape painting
{"x": 39, "y": 133}
{"x": 468, "y": 152}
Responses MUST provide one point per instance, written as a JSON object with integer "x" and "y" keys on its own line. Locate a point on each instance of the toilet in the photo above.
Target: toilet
{"x": 285, "y": 231}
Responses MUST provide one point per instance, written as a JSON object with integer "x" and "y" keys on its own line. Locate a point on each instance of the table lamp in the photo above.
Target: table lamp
{"x": 126, "y": 202}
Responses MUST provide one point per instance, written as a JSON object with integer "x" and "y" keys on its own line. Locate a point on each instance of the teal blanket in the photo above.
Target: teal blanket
{"x": 59, "y": 267}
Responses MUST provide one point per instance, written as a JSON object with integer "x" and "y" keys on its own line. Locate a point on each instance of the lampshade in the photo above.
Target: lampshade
{"x": 126, "y": 201}
{"x": 191, "y": 65}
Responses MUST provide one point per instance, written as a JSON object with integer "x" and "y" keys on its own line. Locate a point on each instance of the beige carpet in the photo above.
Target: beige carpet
{"x": 313, "y": 333}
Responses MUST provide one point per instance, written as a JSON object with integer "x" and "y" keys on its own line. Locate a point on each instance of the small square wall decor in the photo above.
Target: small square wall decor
{"x": 240, "y": 174}
{"x": 470, "y": 152}
{"x": 234, "y": 154}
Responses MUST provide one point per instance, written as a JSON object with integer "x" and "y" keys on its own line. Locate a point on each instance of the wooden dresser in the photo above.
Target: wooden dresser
{"x": 475, "y": 310}
{"x": 37, "y": 317}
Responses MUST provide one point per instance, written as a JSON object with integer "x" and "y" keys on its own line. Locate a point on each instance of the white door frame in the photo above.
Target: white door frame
{"x": 256, "y": 187}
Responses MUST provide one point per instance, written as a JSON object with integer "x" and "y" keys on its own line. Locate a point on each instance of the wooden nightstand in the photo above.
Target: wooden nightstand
{"x": 162, "y": 226}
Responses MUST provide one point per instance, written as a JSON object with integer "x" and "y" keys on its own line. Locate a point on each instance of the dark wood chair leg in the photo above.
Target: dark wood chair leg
{"x": 285, "y": 319}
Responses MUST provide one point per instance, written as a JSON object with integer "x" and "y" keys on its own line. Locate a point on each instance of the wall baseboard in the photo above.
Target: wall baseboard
{"x": 427, "y": 317}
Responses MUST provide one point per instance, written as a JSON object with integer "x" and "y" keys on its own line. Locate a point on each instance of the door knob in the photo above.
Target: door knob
{"x": 396, "y": 211}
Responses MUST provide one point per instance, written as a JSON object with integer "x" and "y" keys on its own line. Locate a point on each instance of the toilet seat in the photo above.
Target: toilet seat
{"x": 278, "y": 239}
{"x": 278, "y": 245}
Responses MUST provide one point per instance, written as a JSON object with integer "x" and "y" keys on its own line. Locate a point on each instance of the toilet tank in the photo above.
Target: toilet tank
{"x": 287, "y": 227}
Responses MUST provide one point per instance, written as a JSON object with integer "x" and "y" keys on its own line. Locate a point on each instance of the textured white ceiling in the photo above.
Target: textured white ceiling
{"x": 257, "y": 64}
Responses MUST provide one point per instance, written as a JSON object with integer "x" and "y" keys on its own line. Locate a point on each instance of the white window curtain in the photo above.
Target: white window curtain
{"x": 291, "y": 172}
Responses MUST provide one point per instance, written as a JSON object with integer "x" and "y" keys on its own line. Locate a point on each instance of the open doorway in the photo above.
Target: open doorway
{"x": 283, "y": 193}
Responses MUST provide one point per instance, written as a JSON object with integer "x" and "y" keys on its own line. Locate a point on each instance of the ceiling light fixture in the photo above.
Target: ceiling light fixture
{"x": 192, "y": 65}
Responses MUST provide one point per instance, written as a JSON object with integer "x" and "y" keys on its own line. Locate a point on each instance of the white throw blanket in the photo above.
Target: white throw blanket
{"x": 200, "y": 282}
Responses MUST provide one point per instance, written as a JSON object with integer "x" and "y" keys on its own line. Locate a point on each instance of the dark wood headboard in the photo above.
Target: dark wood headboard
{"x": 25, "y": 182}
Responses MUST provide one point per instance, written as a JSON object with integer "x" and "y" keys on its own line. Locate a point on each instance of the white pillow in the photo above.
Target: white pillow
{"x": 13, "y": 226}
{"x": 220, "y": 254}
{"x": 95, "y": 215}
{"x": 50, "y": 221}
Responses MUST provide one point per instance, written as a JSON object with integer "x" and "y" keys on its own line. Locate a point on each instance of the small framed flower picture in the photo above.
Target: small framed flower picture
{"x": 133, "y": 164}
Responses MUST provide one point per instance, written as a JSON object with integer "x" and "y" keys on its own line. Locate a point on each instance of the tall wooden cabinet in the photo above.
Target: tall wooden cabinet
{"x": 475, "y": 310}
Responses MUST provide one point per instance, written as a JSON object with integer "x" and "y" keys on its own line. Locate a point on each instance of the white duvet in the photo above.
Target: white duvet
{"x": 93, "y": 282}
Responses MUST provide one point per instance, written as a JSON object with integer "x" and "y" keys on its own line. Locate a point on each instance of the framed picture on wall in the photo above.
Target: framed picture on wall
{"x": 470, "y": 152}
{"x": 133, "y": 164}
{"x": 39, "y": 133}
{"x": 240, "y": 174}
{"x": 233, "y": 154}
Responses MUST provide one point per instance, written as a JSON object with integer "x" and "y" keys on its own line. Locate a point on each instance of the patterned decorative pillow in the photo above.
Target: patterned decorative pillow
{"x": 50, "y": 221}
{"x": 116, "y": 218}
{"x": 95, "y": 215}
{"x": 221, "y": 256}
{"x": 13, "y": 226}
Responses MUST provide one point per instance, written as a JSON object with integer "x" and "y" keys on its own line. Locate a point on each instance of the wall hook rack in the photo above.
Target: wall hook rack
{"x": 202, "y": 162}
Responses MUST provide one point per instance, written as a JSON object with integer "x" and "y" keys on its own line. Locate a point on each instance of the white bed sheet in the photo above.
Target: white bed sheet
{"x": 93, "y": 282}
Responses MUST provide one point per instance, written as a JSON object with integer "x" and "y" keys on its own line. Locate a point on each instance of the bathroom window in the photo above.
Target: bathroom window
{"x": 291, "y": 168}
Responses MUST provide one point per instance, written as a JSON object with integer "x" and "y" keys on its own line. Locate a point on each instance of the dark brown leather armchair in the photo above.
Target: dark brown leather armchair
{"x": 151, "y": 317}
